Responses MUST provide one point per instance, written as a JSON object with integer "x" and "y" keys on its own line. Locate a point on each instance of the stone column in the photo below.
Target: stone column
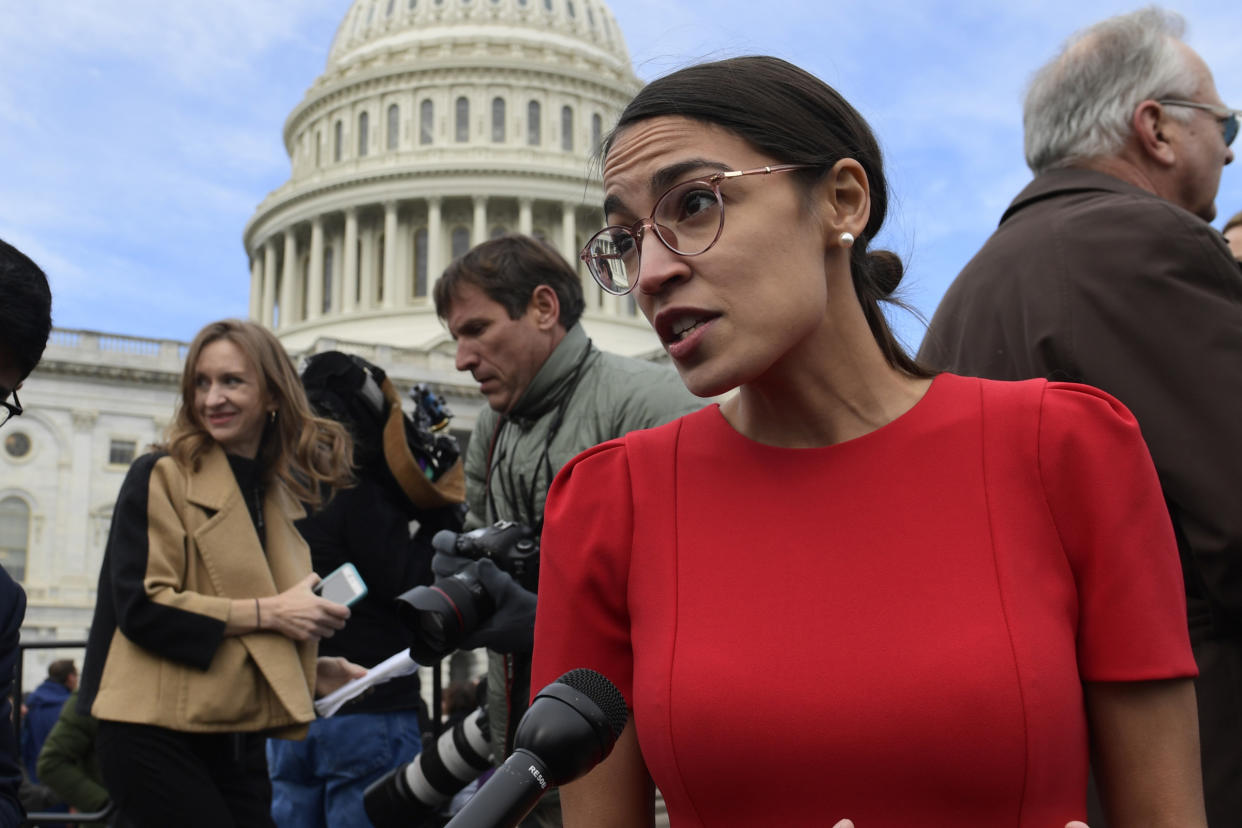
{"x": 338, "y": 273}
{"x": 392, "y": 293}
{"x": 72, "y": 555}
{"x": 256, "y": 286}
{"x": 435, "y": 264}
{"x": 366, "y": 267}
{"x": 314, "y": 298}
{"x": 269, "y": 282}
{"x": 288, "y": 287}
{"x": 569, "y": 232}
{"x": 478, "y": 229}
{"x": 526, "y": 223}
{"x": 349, "y": 261}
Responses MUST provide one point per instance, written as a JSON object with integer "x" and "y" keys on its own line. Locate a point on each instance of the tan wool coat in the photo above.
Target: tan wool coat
{"x": 160, "y": 619}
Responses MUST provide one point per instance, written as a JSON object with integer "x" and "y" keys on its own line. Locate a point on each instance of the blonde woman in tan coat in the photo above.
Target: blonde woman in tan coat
{"x": 205, "y": 634}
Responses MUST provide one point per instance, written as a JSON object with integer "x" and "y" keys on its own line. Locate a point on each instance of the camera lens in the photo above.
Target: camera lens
{"x": 442, "y": 614}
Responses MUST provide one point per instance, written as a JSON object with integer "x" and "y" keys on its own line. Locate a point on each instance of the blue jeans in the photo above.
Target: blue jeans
{"x": 319, "y": 782}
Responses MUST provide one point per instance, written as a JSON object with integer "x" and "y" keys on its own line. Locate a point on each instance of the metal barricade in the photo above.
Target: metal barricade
{"x": 48, "y": 817}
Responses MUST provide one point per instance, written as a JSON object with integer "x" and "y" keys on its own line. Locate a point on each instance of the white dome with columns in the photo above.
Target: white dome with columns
{"x": 438, "y": 124}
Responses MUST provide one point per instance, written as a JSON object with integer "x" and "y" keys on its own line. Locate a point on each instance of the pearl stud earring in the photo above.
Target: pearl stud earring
{"x": 847, "y": 240}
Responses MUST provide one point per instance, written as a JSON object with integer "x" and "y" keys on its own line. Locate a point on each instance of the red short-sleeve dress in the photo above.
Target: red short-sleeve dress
{"x": 893, "y": 629}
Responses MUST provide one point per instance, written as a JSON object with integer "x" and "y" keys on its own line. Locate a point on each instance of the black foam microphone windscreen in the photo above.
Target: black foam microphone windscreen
{"x": 571, "y": 726}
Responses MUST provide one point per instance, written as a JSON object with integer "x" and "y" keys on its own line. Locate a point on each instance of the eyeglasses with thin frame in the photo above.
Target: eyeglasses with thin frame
{"x": 11, "y": 409}
{"x": 1229, "y": 118}
{"x": 688, "y": 219}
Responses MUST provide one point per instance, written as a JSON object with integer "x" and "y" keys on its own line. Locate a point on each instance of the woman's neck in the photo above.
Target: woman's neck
{"x": 834, "y": 387}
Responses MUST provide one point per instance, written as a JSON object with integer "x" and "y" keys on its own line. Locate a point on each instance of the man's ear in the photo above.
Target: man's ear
{"x": 1149, "y": 123}
{"x": 544, "y": 307}
{"x": 844, "y": 200}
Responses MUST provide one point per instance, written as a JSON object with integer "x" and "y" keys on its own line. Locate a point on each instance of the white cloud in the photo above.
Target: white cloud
{"x": 142, "y": 133}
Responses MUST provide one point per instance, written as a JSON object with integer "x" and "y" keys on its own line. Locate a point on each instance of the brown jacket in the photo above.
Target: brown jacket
{"x": 181, "y": 546}
{"x": 1090, "y": 279}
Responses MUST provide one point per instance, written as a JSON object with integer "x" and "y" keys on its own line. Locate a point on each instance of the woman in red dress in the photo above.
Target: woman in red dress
{"x": 852, "y": 589}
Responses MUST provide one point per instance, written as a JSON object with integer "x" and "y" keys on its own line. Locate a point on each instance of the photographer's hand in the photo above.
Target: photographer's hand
{"x": 511, "y": 628}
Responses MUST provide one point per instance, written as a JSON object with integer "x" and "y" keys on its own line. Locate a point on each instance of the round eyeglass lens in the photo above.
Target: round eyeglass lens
{"x": 688, "y": 218}
{"x": 611, "y": 256}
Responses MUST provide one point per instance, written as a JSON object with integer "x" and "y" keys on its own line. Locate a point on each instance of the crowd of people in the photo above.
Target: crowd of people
{"x": 1000, "y": 581}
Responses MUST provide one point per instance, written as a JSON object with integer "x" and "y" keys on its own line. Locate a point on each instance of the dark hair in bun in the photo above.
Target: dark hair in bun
{"x": 796, "y": 118}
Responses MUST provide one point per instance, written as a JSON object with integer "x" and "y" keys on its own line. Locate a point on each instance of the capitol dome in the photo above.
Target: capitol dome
{"x": 436, "y": 125}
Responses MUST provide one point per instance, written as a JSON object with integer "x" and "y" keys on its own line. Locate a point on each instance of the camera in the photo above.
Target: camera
{"x": 443, "y": 614}
{"x": 415, "y": 793}
{"x": 511, "y": 546}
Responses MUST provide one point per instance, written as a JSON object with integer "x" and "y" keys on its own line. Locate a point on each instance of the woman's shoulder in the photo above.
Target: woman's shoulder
{"x": 144, "y": 467}
{"x": 1055, "y": 401}
{"x": 614, "y": 458}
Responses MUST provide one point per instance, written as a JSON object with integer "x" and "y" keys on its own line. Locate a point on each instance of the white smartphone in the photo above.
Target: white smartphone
{"x": 343, "y": 586}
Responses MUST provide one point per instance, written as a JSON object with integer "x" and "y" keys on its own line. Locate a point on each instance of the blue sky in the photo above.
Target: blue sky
{"x": 137, "y": 136}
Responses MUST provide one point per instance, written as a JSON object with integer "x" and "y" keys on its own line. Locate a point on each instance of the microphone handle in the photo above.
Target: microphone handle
{"x": 507, "y": 796}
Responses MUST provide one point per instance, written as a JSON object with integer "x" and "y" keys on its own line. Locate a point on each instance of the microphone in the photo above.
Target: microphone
{"x": 571, "y": 727}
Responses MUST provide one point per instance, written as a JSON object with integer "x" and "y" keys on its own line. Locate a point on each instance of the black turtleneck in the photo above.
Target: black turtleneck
{"x": 250, "y": 481}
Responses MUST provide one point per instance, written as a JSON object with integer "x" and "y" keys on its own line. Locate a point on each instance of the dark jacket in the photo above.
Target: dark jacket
{"x": 68, "y": 763}
{"x": 1093, "y": 280}
{"x": 12, "y": 611}
{"x": 42, "y": 710}
{"x": 368, "y": 525}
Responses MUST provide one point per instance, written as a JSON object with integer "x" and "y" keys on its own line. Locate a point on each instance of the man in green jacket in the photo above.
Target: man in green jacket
{"x": 513, "y": 306}
{"x": 68, "y": 764}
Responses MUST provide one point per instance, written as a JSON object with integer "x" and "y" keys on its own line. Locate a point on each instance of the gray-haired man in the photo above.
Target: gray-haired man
{"x": 1104, "y": 270}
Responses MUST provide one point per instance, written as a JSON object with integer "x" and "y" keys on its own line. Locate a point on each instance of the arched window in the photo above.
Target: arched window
{"x": 534, "y": 131}
{"x": 327, "y": 279}
{"x": 14, "y": 536}
{"x": 318, "y": 147}
{"x": 364, "y": 124}
{"x": 567, "y": 128}
{"x": 420, "y": 262}
{"x": 426, "y": 117}
{"x": 570, "y": 5}
{"x": 394, "y": 119}
{"x": 498, "y": 120}
{"x": 461, "y": 128}
{"x": 338, "y": 140}
{"x": 390, "y": 5}
{"x": 461, "y": 241}
{"x": 597, "y": 132}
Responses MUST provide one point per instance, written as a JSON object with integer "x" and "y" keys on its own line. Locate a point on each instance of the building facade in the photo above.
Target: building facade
{"x": 436, "y": 124}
